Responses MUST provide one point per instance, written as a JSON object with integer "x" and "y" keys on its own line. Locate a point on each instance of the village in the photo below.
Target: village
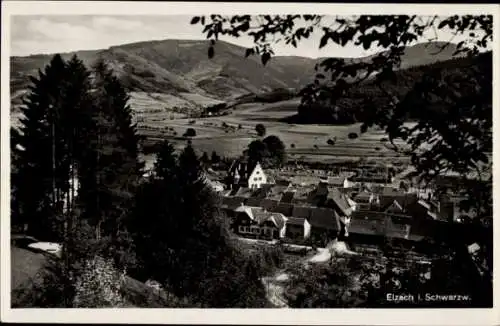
{"x": 360, "y": 205}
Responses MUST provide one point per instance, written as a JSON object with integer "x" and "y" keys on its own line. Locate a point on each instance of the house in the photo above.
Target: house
{"x": 297, "y": 228}
{"x": 325, "y": 224}
{"x": 243, "y": 173}
{"x": 365, "y": 200}
{"x": 388, "y": 196}
{"x": 380, "y": 225}
{"x": 338, "y": 182}
{"x": 340, "y": 202}
{"x": 257, "y": 223}
{"x": 257, "y": 177}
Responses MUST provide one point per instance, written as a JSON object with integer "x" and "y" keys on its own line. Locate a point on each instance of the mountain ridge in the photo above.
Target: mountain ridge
{"x": 182, "y": 66}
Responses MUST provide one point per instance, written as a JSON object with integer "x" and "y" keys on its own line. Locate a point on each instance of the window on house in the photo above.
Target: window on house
{"x": 255, "y": 230}
{"x": 255, "y": 179}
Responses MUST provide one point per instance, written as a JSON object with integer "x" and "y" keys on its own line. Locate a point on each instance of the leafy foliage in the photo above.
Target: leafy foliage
{"x": 182, "y": 240}
{"x": 260, "y": 129}
{"x": 190, "y": 132}
{"x": 337, "y": 77}
{"x": 450, "y": 104}
{"x": 270, "y": 151}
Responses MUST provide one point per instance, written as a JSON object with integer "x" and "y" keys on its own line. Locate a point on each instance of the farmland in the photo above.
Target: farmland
{"x": 159, "y": 116}
{"x": 232, "y": 133}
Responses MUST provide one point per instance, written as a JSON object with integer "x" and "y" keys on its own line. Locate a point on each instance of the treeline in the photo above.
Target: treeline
{"x": 276, "y": 95}
{"x": 77, "y": 180}
{"x": 360, "y": 102}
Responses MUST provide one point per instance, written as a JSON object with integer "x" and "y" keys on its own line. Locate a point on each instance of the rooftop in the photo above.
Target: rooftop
{"x": 295, "y": 220}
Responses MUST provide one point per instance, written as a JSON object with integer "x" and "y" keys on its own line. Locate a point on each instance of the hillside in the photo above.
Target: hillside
{"x": 359, "y": 102}
{"x": 30, "y": 272}
{"x": 182, "y": 66}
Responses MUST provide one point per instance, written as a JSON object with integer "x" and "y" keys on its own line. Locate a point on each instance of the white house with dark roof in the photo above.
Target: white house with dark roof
{"x": 243, "y": 173}
{"x": 256, "y": 222}
{"x": 257, "y": 177}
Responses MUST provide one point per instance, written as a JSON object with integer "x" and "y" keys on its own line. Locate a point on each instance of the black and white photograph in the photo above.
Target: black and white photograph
{"x": 266, "y": 156}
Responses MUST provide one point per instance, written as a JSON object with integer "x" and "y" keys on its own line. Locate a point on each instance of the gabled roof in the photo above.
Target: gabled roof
{"x": 295, "y": 220}
{"x": 302, "y": 211}
{"x": 247, "y": 210}
{"x": 340, "y": 200}
{"x": 396, "y": 205}
{"x": 406, "y": 201}
{"x": 278, "y": 219}
{"x": 324, "y": 218}
{"x": 367, "y": 227}
{"x": 285, "y": 209}
{"x": 260, "y": 215}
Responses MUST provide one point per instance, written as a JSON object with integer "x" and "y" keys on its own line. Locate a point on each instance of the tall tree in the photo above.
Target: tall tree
{"x": 111, "y": 170}
{"x": 39, "y": 150}
{"x": 155, "y": 216}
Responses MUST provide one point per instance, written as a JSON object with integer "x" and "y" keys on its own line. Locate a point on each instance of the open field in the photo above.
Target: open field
{"x": 230, "y": 135}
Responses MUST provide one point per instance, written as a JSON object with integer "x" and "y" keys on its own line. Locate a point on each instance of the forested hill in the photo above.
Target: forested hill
{"x": 361, "y": 100}
{"x": 183, "y": 66}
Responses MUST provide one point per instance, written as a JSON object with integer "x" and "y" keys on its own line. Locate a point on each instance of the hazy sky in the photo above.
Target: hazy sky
{"x": 63, "y": 33}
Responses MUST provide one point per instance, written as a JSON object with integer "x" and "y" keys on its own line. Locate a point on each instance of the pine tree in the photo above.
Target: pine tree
{"x": 166, "y": 163}
{"x": 155, "y": 216}
{"x": 111, "y": 170}
{"x": 77, "y": 119}
{"x": 39, "y": 151}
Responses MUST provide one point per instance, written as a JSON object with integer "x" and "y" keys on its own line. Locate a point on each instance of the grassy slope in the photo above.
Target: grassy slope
{"x": 28, "y": 267}
{"x": 173, "y": 66}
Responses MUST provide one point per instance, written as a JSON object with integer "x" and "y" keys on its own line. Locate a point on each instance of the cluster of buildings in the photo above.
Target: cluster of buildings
{"x": 262, "y": 207}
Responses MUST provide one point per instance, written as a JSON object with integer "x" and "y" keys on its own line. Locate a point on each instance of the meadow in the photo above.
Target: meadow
{"x": 229, "y": 135}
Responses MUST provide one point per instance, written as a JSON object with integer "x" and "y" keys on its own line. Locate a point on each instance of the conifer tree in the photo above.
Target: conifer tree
{"x": 155, "y": 215}
{"x": 39, "y": 150}
{"x": 111, "y": 170}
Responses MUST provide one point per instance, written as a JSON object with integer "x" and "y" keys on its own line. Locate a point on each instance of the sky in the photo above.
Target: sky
{"x": 65, "y": 33}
